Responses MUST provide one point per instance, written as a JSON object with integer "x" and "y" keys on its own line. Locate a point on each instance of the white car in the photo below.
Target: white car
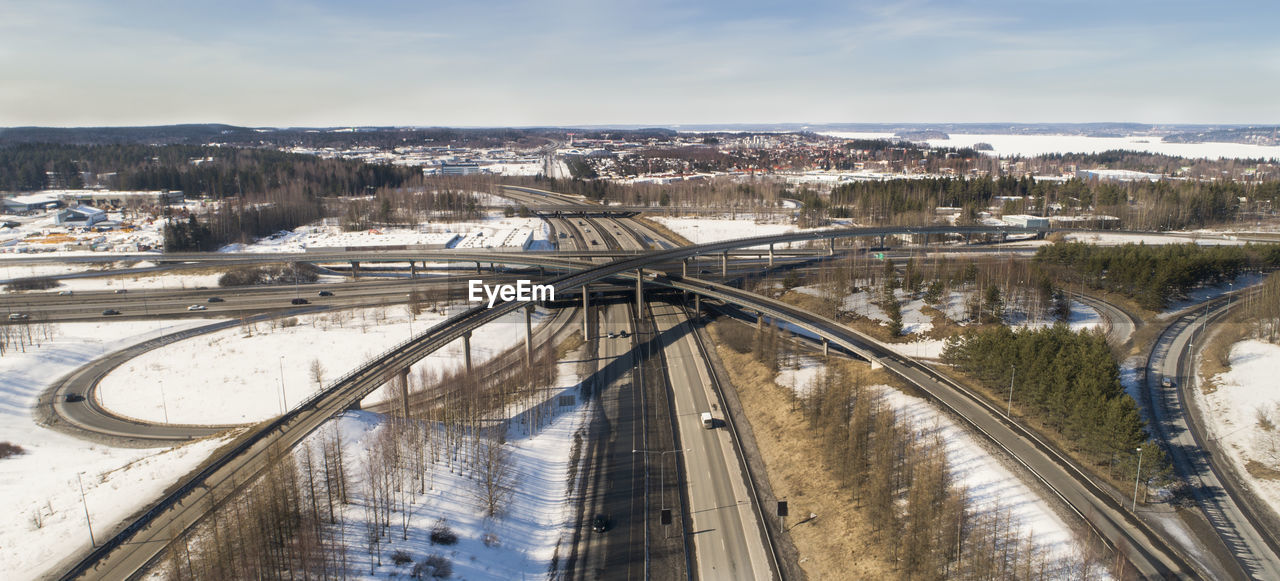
{"x": 197, "y": 308}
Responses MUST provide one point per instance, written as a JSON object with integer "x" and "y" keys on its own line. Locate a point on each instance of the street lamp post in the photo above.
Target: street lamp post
{"x": 1009, "y": 411}
{"x": 1135, "y": 482}
{"x": 86, "y": 511}
{"x": 284, "y": 398}
{"x": 662, "y": 470}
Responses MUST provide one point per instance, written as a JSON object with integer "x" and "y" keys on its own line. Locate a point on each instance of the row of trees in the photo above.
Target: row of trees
{"x": 898, "y": 474}
{"x": 1154, "y": 275}
{"x": 1067, "y": 381}
{"x": 17, "y": 336}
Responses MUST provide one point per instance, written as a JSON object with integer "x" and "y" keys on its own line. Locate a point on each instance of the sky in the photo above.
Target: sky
{"x": 269, "y": 63}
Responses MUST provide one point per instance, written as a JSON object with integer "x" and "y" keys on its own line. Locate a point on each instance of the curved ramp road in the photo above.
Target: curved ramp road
{"x": 1226, "y": 504}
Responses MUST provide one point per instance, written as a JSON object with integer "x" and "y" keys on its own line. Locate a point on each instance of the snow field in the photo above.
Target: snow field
{"x": 703, "y": 230}
{"x": 42, "y": 518}
{"x": 536, "y": 523}
{"x": 1243, "y": 413}
{"x": 233, "y": 376}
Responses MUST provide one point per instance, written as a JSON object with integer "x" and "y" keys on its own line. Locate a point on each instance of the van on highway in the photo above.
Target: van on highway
{"x": 708, "y": 422}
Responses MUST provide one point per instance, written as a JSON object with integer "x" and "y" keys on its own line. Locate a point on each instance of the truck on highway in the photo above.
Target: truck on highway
{"x": 708, "y": 421}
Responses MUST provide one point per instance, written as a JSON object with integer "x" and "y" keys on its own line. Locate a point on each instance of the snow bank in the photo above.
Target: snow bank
{"x": 1243, "y": 414}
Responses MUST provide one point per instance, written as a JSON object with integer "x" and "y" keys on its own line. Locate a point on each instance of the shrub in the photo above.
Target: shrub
{"x": 37, "y": 283}
{"x": 490, "y": 540}
{"x": 433, "y": 566}
{"x": 7, "y": 449}
{"x": 441, "y": 534}
{"x": 401, "y": 558}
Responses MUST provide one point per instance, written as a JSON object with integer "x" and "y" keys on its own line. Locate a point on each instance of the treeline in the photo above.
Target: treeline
{"x": 1141, "y": 205}
{"x": 1157, "y": 274}
{"x": 216, "y": 172}
{"x": 1067, "y": 381}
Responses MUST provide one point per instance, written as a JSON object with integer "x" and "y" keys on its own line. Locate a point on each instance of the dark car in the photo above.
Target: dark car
{"x": 73, "y": 397}
{"x": 121, "y": 291}
{"x": 325, "y": 294}
{"x": 110, "y": 312}
{"x": 600, "y": 523}
{"x": 215, "y": 299}
{"x": 300, "y": 301}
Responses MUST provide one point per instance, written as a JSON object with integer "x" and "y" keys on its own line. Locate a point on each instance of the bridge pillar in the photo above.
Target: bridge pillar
{"x": 684, "y": 267}
{"x": 528, "y": 335}
{"x": 355, "y": 269}
{"x": 724, "y": 264}
{"x": 882, "y": 241}
{"x": 770, "y": 256}
{"x": 697, "y": 305}
{"x": 639, "y": 293}
{"x": 586, "y": 310}
{"x": 403, "y": 380}
{"x": 831, "y": 246}
{"x": 759, "y": 321}
{"x": 413, "y": 268}
{"x": 966, "y": 238}
{"x": 477, "y": 267}
{"x": 466, "y": 350}
{"x": 826, "y": 347}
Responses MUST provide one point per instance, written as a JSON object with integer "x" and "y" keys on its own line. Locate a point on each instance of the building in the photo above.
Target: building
{"x": 459, "y": 169}
{"x": 29, "y": 203}
{"x": 83, "y": 216}
{"x": 121, "y": 199}
{"x": 1025, "y": 221}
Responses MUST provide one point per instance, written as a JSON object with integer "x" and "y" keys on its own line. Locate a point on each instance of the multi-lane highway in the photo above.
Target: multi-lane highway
{"x": 744, "y": 553}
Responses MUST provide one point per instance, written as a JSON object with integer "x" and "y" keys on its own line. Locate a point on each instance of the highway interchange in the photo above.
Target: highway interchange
{"x": 715, "y": 498}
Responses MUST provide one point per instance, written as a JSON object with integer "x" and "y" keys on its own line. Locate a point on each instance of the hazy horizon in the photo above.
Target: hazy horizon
{"x": 567, "y": 63}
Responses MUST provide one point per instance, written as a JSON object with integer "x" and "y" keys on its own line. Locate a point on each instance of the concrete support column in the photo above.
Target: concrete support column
{"x": 355, "y": 269}
{"x": 882, "y": 241}
{"x": 831, "y": 246}
{"x": 724, "y": 264}
{"x": 413, "y": 268}
{"x": 528, "y": 335}
{"x": 586, "y": 312}
{"x": 639, "y": 293}
{"x": 697, "y": 305}
{"x": 684, "y": 267}
{"x": 759, "y": 321}
{"x": 826, "y": 347}
{"x": 770, "y": 256}
{"x": 466, "y": 350}
{"x": 477, "y": 267}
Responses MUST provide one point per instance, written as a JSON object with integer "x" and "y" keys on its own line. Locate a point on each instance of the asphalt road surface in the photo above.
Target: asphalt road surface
{"x": 726, "y": 535}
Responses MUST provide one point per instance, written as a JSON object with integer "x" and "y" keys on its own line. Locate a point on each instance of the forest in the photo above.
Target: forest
{"x": 1066, "y": 380}
{"x": 1157, "y": 274}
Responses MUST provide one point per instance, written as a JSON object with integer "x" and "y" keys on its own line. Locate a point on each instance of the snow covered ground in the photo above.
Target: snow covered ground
{"x": 233, "y": 376}
{"x": 1243, "y": 413}
{"x": 42, "y": 519}
{"x": 702, "y": 230}
{"x": 1118, "y": 238}
{"x": 327, "y": 234}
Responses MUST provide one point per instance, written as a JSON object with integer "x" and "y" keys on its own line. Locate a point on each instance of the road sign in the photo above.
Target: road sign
{"x": 782, "y": 508}
{"x": 666, "y": 516}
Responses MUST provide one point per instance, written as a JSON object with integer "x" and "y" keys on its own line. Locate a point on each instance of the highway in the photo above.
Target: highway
{"x": 727, "y": 537}
{"x": 1236, "y": 515}
{"x": 142, "y": 540}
